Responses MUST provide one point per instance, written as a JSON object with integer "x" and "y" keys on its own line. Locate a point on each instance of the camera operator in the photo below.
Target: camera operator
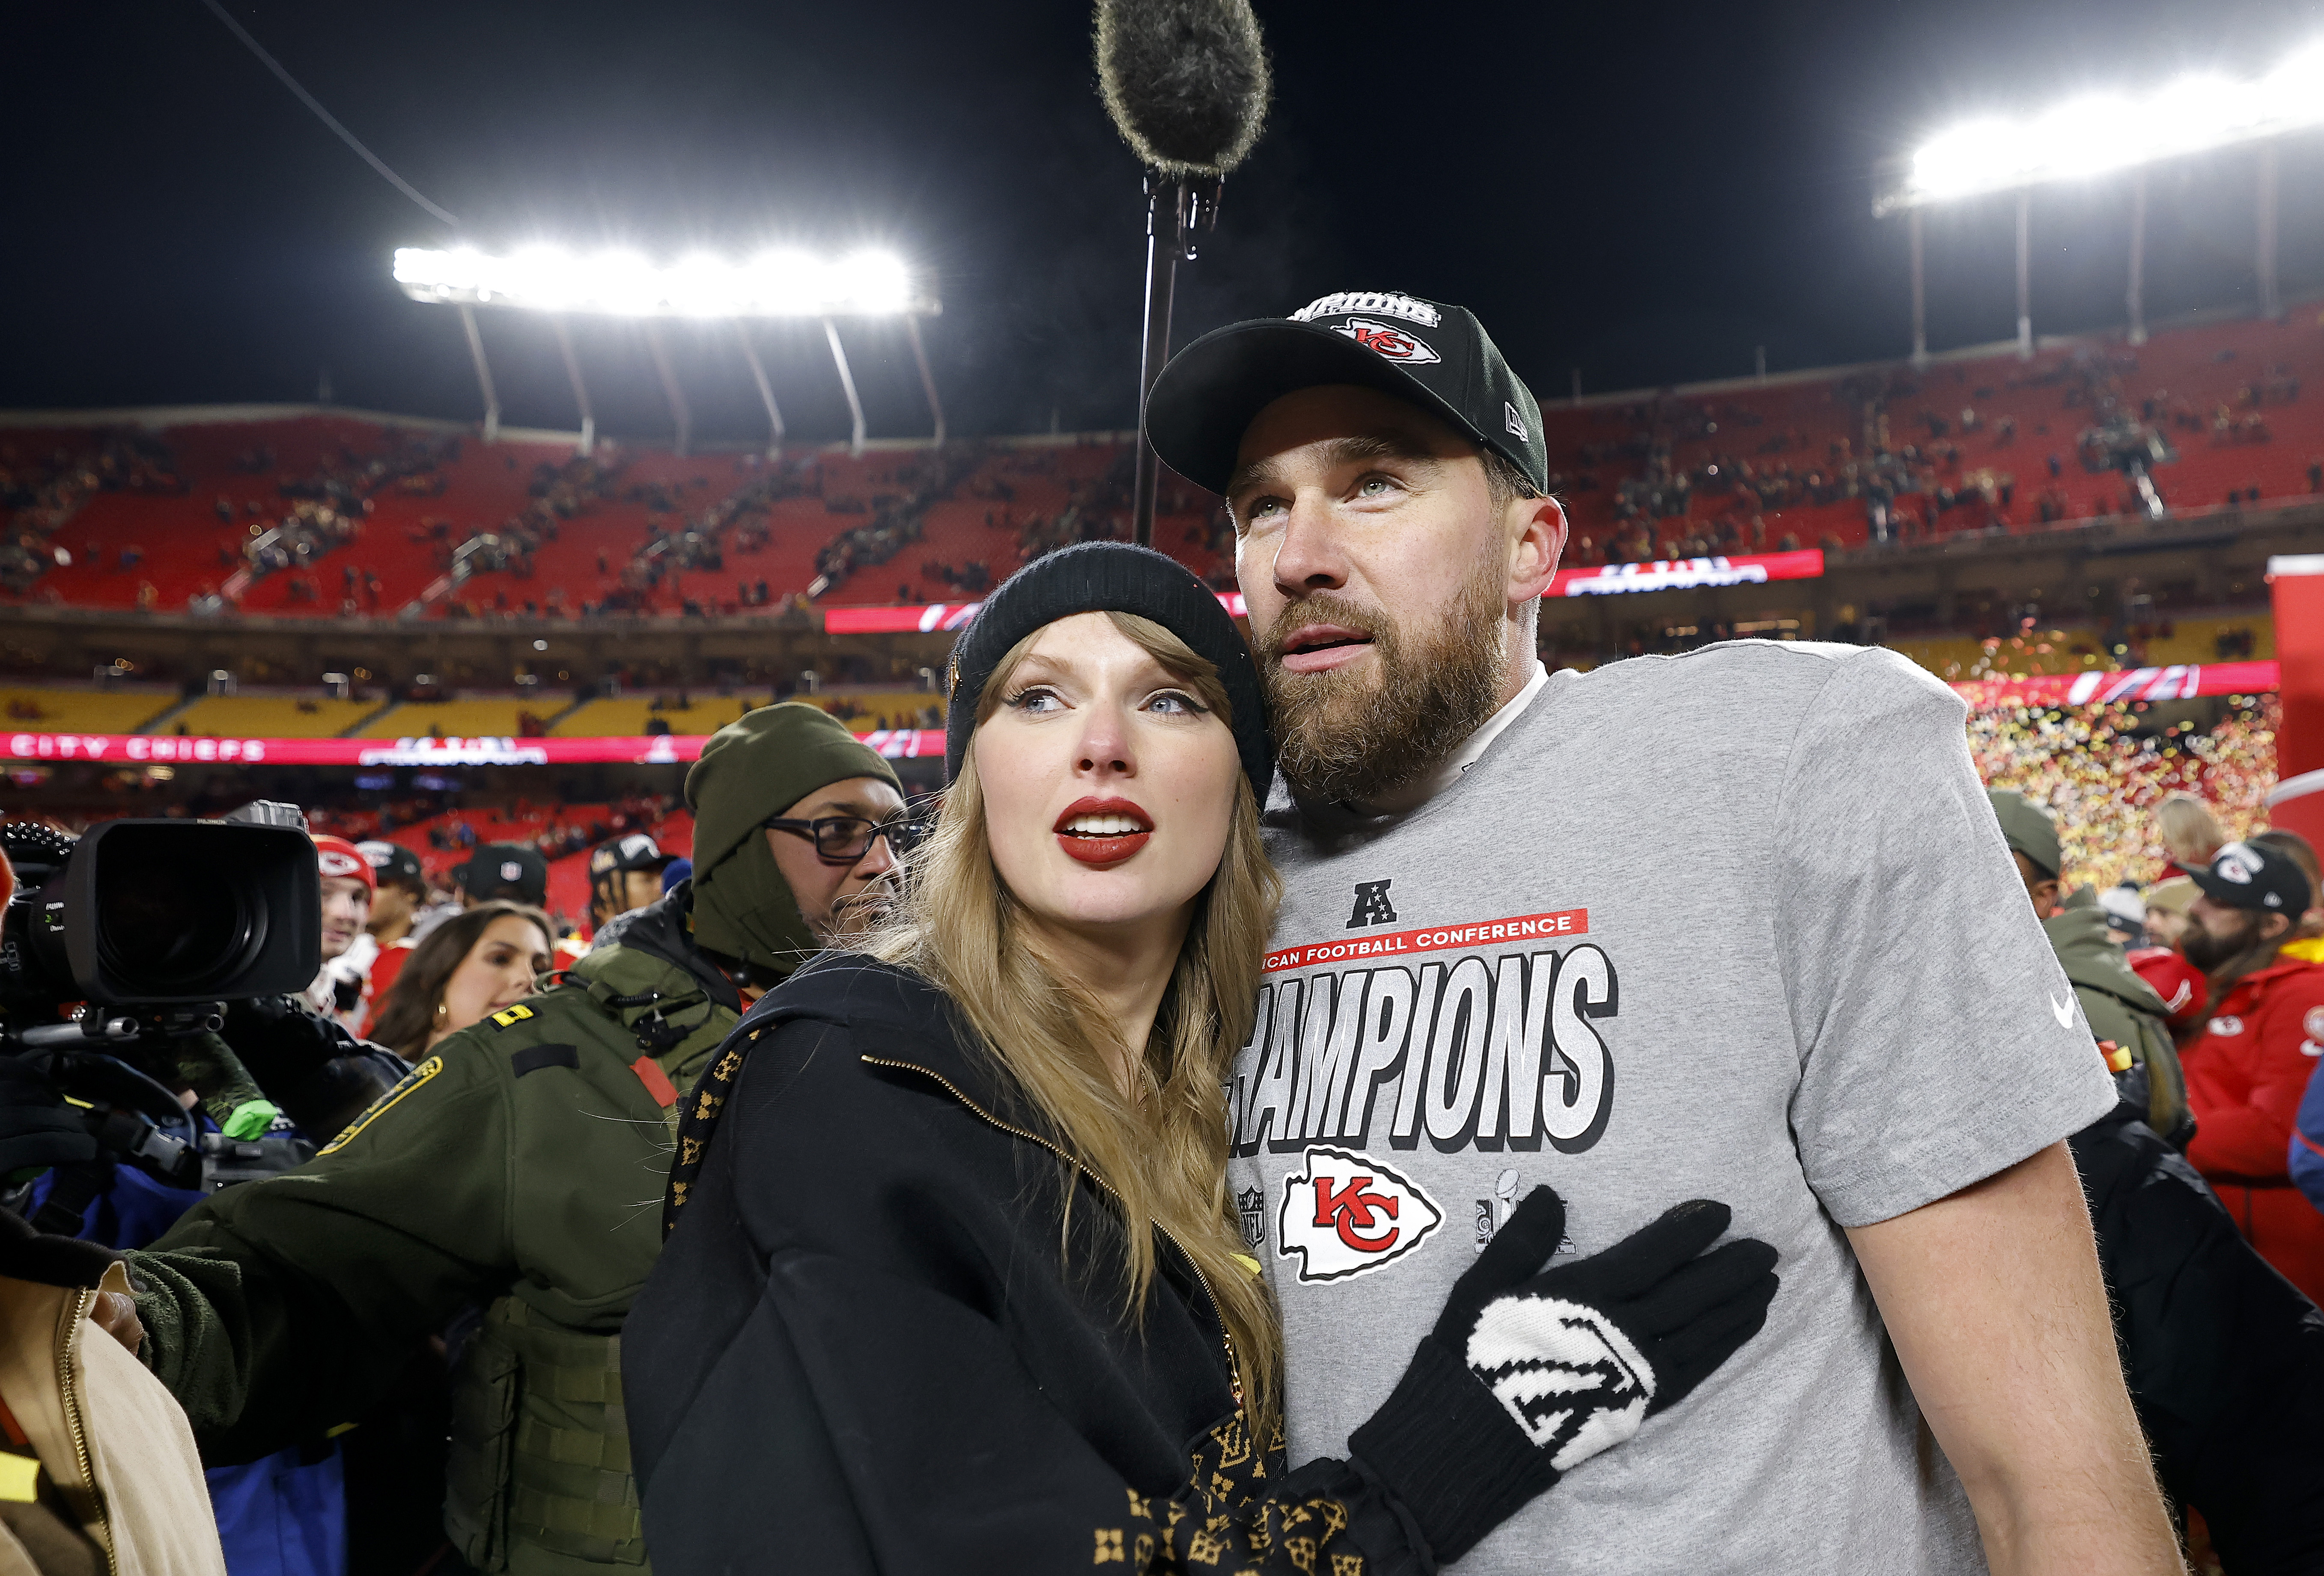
{"x": 507, "y": 1171}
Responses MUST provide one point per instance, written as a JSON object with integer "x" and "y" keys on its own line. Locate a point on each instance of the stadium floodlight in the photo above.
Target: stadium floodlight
{"x": 2097, "y": 135}
{"x": 625, "y": 285}
{"x": 783, "y": 283}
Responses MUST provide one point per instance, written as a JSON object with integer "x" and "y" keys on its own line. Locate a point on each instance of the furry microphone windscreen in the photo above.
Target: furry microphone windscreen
{"x": 1184, "y": 80}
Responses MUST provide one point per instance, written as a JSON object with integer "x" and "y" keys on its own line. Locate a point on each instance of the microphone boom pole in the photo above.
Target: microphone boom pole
{"x": 1191, "y": 204}
{"x": 1186, "y": 85}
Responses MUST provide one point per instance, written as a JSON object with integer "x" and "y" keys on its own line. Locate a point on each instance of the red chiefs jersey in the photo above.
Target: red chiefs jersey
{"x": 2245, "y": 1075}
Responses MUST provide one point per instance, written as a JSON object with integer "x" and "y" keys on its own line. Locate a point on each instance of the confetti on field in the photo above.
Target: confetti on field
{"x": 2102, "y": 772}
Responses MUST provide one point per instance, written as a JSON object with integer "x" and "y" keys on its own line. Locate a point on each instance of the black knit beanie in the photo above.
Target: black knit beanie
{"x": 1107, "y": 577}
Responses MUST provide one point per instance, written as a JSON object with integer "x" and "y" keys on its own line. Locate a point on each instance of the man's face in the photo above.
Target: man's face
{"x": 1386, "y": 590}
{"x": 2041, "y": 888}
{"x": 830, "y": 895}
{"x": 2165, "y": 927}
{"x": 631, "y": 888}
{"x": 2217, "y": 934}
{"x": 393, "y": 906}
{"x": 347, "y": 905}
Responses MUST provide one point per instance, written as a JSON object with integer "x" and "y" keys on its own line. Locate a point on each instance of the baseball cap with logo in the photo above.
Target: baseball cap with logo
{"x": 338, "y": 859}
{"x": 504, "y": 869}
{"x": 2252, "y": 875}
{"x": 393, "y": 862}
{"x": 631, "y": 851}
{"x": 1425, "y": 353}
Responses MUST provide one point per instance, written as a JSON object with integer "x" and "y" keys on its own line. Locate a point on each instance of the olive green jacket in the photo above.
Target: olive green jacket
{"x": 2120, "y": 1007}
{"x": 518, "y": 1169}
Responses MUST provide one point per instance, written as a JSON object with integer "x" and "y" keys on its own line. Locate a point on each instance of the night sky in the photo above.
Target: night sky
{"x": 1646, "y": 192}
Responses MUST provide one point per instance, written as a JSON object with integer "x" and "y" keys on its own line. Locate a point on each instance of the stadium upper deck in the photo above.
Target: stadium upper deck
{"x": 324, "y": 514}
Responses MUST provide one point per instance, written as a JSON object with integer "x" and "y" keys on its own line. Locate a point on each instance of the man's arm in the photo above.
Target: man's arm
{"x": 276, "y": 1310}
{"x": 1993, "y": 1299}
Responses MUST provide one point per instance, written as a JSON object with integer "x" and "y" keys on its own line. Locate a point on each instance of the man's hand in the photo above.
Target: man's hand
{"x": 1993, "y": 1301}
{"x": 116, "y": 1316}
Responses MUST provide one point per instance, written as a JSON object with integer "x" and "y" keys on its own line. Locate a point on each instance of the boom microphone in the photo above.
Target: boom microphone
{"x": 1184, "y": 80}
{"x": 1186, "y": 84}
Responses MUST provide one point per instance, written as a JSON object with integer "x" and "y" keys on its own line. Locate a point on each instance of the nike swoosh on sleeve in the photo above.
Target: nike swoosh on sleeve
{"x": 2063, "y": 1011}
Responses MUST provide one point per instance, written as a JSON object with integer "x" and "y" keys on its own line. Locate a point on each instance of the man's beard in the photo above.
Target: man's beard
{"x": 1341, "y": 736}
{"x": 2213, "y": 953}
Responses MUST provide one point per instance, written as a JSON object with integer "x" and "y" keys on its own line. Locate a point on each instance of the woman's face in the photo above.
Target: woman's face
{"x": 498, "y": 972}
{"x": 1109, "y": 787}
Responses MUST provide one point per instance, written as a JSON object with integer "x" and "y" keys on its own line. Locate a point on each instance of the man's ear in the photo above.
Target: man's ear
{"x": 1536, "y": 547}
{"x": 2276, "y": 928}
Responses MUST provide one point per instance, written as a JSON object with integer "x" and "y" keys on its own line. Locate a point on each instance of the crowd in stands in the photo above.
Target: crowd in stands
{"x": 2087, "y": 431}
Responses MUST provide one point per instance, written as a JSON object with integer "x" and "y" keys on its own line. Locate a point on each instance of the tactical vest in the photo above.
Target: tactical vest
{"x": 538, "y": 1481}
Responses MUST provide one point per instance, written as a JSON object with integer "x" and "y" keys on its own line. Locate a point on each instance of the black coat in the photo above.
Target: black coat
{"x": 2224, "y": 1356}
{"x": 888, "y": 1335}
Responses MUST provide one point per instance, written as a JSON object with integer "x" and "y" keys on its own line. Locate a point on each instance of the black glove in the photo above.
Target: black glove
{"x": 37, "y": 1129}
{"x": 1528, "y": 1375}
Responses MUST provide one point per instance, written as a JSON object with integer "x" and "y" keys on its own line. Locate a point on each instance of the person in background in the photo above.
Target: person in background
{"x": 2248, "y": 1071}
{"x": 505, "y": 1173}
{"x": 488, "y": 957}
{"x": 2223, "y": 1358}
{"x": 2119, "y": 1005}
{"x": 625, "y": 872}
{"x": 674, "y": 872}
{"x": 2191, "y": 835}
{"x": 2126, "y": 914}
{"x": 502, "y": 872}
{"x": 2307, "y": 942}
{"x": 396, "y": 905}
{"x": 2166, "y": 910}
{"x": 347, "y": 887}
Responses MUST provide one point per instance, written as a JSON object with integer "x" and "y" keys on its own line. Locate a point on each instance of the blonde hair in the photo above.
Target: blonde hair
{"x": 2190, "y": 832}
{"x": 1162, "y": 1152}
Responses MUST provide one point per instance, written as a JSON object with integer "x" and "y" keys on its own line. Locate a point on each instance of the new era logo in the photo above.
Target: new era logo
{"x": 1509, "y": 419}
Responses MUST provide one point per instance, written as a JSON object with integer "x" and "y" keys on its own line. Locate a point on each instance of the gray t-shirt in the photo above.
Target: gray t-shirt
{"x": 1736, "y": 925}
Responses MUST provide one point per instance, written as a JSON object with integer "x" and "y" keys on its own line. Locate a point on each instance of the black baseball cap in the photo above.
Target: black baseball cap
{"x": 504, "y": 870}
{"x": 2252, "y": 875}
{"x": 1426, "y": 352}
{"x": 631, "y": 850}
{"x": 393, "y": 862}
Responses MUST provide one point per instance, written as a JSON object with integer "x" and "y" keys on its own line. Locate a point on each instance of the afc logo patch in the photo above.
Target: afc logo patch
{"x": 1385, "y": 340}
{"x": 1345, "y": 1213}
{"x": 1372, "y": 906}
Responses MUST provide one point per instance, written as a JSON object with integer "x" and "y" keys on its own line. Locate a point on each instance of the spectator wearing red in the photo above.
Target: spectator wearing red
{"x": 2247, "y": 1070}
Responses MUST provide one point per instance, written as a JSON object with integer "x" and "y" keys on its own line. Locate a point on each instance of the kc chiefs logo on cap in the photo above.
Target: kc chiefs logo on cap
{"x": 1382, "y": 339}
{"x": 1345, "y": 1213}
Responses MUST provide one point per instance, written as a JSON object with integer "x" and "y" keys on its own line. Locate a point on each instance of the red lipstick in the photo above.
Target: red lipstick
{"x": 1111, "y": 845}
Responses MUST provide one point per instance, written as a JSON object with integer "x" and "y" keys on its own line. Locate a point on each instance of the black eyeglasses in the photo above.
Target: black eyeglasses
{"x": 845, "y": 839}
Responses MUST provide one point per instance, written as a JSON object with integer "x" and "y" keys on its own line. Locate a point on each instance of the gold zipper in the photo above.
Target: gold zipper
{"x": 71, "y": 1404}
{"x": 1226, "y": 1336}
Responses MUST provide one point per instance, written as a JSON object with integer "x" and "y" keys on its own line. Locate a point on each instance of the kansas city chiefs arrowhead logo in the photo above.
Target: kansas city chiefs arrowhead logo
{"x": 1345, "y": 1213}
{"x": 1386, "y": 340}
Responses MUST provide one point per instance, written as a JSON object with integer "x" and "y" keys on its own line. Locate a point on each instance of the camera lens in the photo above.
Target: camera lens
{"x": 169, "y": 925}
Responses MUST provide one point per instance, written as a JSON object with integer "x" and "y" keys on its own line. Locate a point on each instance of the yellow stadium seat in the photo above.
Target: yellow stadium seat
{"x": 46, "y": 709}
{"x": 271, "y": 716}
